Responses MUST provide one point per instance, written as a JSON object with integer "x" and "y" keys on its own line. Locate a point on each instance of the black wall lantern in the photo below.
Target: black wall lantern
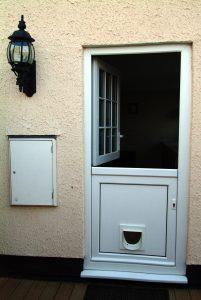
{"x": 21, "y": 56}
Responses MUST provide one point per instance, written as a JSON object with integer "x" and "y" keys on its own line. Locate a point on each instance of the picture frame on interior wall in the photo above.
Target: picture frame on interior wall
{"x": 159, "y": 273}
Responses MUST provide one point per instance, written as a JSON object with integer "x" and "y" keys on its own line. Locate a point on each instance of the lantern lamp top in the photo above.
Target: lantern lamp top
{"x": 21, "y": 34}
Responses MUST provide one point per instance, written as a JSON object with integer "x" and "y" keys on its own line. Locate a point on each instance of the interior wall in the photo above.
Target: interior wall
{"x": 152, "y": 126}
{"x": 149, "y": 109}
{"x": 61, "y": 29}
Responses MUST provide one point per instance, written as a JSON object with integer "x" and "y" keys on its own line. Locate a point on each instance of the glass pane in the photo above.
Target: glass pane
{"x": 114, "y": 88}
{"x": 32, "y": 54}
{"x": 108, "y": 86}
{"x": 101, "y": 141}
{"x": 114, "y": 139}
{"x": 25, "y": 52}
{"x": 108, "y": 140}
{"x": 101, "y": 83}
{"x": 114, "y": 114}
{"x": 101, "y": 112}
{"x": 9, "y": 51}
{"x": 17, "y": 52}
{"x": 108, "y": 113}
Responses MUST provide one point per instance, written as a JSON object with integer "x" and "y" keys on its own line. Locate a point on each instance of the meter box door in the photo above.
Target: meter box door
{"x": 33, "y": 168}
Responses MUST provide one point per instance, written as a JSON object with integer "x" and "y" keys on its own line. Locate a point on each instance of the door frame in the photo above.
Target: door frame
{"x": 183, "y": 156}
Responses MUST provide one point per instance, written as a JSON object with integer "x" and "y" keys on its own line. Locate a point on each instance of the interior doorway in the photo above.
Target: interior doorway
{"x": 137, "y": 124}
{"x": 148, "y": 106}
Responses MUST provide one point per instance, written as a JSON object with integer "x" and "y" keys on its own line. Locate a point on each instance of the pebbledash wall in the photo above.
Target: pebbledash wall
{"x": 62, "y": 28}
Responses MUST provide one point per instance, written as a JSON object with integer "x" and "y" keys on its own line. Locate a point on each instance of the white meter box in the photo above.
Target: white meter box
{"x": 33, "y": 171}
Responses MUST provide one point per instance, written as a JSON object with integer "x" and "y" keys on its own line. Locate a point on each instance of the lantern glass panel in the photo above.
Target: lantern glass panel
{"x": 19, "y": 51}
{"x": 16, "y": 52}
{"x": 25, "y": 52}
{"x": 8, "y": 52}
{"x": 31, "y": 54}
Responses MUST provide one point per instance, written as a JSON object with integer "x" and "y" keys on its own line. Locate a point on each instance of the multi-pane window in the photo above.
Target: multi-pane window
{"x": 106, "y": 100}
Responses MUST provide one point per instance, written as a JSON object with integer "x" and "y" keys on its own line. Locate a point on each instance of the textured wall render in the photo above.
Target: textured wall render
{"x": 61, "y": 28}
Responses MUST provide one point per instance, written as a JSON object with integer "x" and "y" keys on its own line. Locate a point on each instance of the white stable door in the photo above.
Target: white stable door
{"x": 135, "y": 217}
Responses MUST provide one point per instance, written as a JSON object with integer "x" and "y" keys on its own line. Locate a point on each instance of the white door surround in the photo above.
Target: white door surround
{"x": 143, "y": 269}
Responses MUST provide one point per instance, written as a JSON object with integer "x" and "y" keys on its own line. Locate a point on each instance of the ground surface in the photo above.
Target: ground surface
{"x": 16, "y": 289}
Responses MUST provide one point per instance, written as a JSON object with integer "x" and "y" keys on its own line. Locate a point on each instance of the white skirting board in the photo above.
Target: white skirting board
{"x": 134, "y": 276}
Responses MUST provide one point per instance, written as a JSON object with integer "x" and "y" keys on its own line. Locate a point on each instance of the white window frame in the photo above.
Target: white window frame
{"x": 97, "y": 158}
{"x": 149, "y": 273}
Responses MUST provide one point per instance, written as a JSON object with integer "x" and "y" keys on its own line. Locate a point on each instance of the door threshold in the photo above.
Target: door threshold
{"x": 180, "y": 279}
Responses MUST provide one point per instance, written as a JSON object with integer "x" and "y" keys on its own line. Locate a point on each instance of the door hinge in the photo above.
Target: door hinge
{"x": 52, "y": 148}
{"x": 53, "y": 194}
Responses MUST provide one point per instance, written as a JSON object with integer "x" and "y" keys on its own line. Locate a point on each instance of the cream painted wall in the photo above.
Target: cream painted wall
{"x": 61, "y": 28}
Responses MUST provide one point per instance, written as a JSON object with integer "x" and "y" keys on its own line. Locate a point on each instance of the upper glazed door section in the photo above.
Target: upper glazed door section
{"x": 106, "y": 119}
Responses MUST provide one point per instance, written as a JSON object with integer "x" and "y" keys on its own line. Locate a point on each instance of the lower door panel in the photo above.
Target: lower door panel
{"x": 134, "y": 218}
